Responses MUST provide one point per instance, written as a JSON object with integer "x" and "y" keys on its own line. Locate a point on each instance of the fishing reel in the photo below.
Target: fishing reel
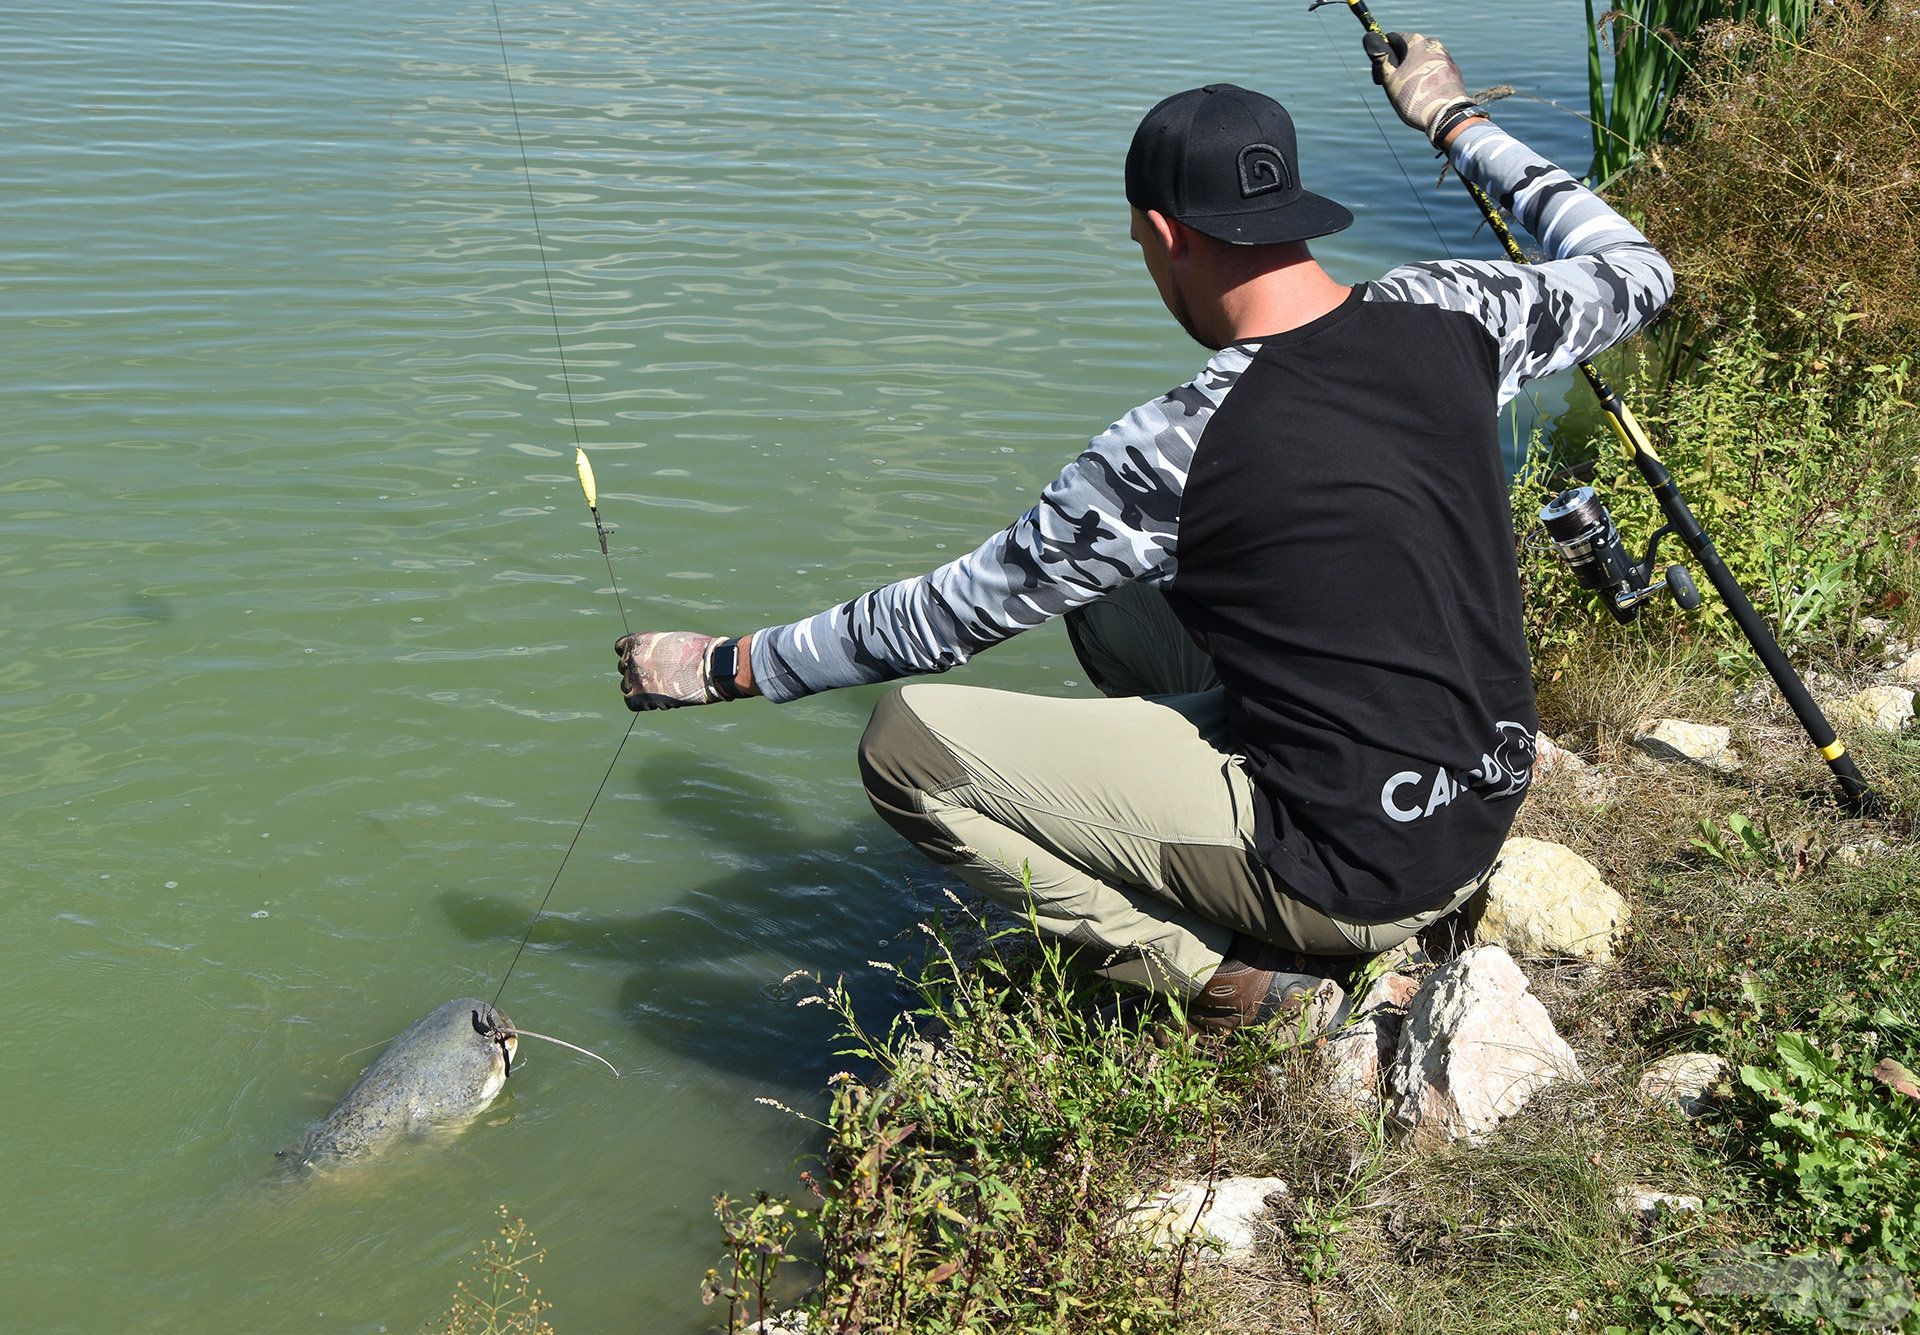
{"x": 1584, "y": 535}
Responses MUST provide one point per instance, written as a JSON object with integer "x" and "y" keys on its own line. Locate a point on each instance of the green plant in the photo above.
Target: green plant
{"x": 1652, "y": 45}
{"x": 1756, "y": 848}
{"x": 758, "y": 1240}
{"x": 498, "y": 1298}
{"x": 1787, "y": 461}
{"x": 1840, "y": 1154}
{"x": 1740, "y": 844}
{"x": 1321, "y": 1220}
{"x": 985, "y": 1183}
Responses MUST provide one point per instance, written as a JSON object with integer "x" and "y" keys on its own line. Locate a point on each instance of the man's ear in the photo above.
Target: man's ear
{"x": 1173, "y": 235}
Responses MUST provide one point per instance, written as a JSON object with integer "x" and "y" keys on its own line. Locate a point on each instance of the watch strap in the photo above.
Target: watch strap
{"x": 1455, "y": 115}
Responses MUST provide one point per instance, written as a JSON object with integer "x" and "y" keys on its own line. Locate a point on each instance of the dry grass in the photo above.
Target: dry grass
{"x": 1793, "y": 173}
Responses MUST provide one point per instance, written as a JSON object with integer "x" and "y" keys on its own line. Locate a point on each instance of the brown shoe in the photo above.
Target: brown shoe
{"x": 1260, "y": 983}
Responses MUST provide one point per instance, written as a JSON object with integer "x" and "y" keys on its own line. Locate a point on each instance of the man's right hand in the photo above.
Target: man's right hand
{"x": 665, "y": 669}
{"x": 1422, "y": 82}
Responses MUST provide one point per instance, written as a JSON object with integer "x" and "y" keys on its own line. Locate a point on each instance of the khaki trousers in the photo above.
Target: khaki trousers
{"x": 1124, "y": 825}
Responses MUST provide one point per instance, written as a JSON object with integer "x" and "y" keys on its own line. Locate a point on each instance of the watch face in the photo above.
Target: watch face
{"x": 724, "y": 667}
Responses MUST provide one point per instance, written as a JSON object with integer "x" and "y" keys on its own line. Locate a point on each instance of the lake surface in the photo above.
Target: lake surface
{"x": 305, "y": 670}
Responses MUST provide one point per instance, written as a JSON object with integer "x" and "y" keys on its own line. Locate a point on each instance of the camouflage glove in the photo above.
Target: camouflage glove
{"x": 667, "y": 669}
{"x": 1422, "y": 82}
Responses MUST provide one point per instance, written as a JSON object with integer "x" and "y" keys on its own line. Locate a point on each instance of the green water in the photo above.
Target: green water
{"x": 304, "y": 637}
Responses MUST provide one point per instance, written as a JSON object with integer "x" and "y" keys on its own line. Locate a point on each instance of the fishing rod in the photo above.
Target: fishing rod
{"x": 589, "y": 488}
{"x": 1587, "y": 540}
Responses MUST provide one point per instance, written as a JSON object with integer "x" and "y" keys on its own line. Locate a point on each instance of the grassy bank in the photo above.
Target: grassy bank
{"x": 986, "y": 1189}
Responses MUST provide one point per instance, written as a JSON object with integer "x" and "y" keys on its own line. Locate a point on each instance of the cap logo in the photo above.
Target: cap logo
{"x": 1262, "y": 168}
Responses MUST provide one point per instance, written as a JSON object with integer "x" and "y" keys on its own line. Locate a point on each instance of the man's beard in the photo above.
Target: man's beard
{"x": 1185, "y": 317}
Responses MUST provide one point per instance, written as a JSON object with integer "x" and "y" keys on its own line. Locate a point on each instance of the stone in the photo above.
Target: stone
{"x": 1708, "y": 745}
{"x": 1475, "y": 1047}
{"x": 1359, "y": 1052}
{"x": 1549, "y": 758}
{"x": 1909, "y": 671}
{"x": 787, "y": 1323}
{"x": 1554, "y": 764}
{"x": 1860, "y": 853}
{"x": 1645, "y": 1202}
{"x": 1886, "y": 708}
{"x": 946, "y": 1074}
{"x": 1682, "y": 1080}
{"x": 1223, "y": 1221}
{"x": 1545, "y": 899}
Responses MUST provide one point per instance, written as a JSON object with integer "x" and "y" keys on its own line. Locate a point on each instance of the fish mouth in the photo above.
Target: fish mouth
{"x": 498, "y": 1031}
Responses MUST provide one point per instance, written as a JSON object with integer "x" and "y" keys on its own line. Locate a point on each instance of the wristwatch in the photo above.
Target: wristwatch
{"x": 1457, "y": 114}
{"x": 723, "y": 669}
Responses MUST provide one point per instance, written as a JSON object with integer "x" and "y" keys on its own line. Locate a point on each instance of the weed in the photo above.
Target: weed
{"x": 984, "y": 1184}
{"x": 1792, "y": 179}
{"x": 1653, "y": 46}
{"x": 499, "y": 1298}
{"x": 1838, "y": 1147}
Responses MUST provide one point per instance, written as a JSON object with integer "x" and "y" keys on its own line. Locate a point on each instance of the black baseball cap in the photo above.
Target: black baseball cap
{"x": 1222, "y": 160}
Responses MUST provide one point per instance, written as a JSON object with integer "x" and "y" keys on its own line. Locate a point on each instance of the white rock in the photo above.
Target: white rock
{"x": 1909, "y": 671}
{"x": 947, "y": 1074}
{"x": 1358, "y": 1053}
{"x": 1475, "y": 1047}
{"x": 1549, "y": 757}
{"x": 1859, "y": 854}
{"x": 1708, "y": 745}
{"x": 1887, "y": 708}
{"x": 1222, "y": 1221}
{"x": 1644, "y": 1202}
{"x": 1682, "y": 1080}
{"x": 1545, "y": 899}
{"x": 787, "y": 1323}
{"x": 1872, "y": 628}
{"x": 1554, "y": 764}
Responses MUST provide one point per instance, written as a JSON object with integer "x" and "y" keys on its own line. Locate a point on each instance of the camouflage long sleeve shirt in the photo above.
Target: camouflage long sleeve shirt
{"x": 1113, "y": 513}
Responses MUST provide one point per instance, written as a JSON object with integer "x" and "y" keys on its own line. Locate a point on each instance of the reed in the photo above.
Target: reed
{"x": 1651, "y": 42}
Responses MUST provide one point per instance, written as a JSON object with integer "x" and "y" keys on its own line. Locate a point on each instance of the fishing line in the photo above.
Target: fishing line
{"x": 587, "y": 488}
{"x": 1366, "y": 101}
{"x": 1392, "y": 152}
{"x": 537, "y": 913}
{"x": 553, "y": 307}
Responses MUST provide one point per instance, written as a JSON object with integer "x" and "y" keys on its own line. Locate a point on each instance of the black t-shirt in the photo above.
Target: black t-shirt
{"x": 1347, "y": 559}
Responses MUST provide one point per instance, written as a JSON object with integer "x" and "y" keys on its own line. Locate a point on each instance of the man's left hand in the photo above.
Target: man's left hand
{"x": 1422, "y": 82}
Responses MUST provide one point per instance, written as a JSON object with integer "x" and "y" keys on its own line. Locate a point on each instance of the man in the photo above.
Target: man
{"x": 1293, "y": 577}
